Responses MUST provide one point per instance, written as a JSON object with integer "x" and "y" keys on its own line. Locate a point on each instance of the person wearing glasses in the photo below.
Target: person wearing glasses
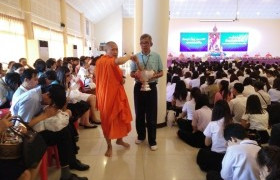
{"x": 146, "y": 101}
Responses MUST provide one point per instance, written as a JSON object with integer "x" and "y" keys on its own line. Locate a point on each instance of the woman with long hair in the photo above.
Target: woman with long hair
{"x": 256, "y": 119}
{"x": 201, "y": 118}
{"x": 214, "y": 137}
{"x": 179, "y": 96}
{"x": 224, "y": 93}
{"x": 77, "y": 100}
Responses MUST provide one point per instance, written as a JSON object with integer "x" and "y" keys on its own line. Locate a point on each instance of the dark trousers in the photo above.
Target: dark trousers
{"x": 184, "y": 125}
{"x": 193, "y": 139}
{"x": 208, "y": 160}
{"x": 146, "y": 112}
{"x": 63, "y": 141}
{"x": 213, "y": 175}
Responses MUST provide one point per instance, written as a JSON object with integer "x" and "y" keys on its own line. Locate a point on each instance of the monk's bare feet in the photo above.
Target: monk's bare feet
{"x": 122, "y": 143}
{"x": 109, "y": 151}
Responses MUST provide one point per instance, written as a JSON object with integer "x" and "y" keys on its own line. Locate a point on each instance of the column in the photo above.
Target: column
{"x": 64, "y": 21}
{"x": 138, "y": 21}
{"x": 32, "y": 46}
{"x": 82, "y": 26}
{"x": 156, "y": 23}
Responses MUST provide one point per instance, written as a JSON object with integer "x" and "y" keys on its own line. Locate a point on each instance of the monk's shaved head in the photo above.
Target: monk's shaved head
{"x": 111, "y": 49}
{"x": 110, "y": 44}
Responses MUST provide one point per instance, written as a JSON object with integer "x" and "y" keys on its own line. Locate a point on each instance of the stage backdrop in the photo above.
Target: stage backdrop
{"x": 191, "y": 42}
{"x": 214, "y": 41}
{"x": 234, "y": 41}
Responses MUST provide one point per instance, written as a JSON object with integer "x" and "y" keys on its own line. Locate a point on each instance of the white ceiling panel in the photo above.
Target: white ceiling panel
{"x": 96, "y": 10}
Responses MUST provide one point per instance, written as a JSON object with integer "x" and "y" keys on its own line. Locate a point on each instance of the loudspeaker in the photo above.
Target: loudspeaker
{"x": 89, "y": 48}
{"x": 62, "y": 25}
{"x": 74, "y": 46}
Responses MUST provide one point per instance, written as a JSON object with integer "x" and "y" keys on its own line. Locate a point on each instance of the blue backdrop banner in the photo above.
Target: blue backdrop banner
{"x": 191, "y": 42}
{"x": 234, "y": 41}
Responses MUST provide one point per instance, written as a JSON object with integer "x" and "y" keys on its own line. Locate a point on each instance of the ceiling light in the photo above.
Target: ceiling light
{"x": 258, "y": 13}
{"x": 218, "y": 13}
{"x": 217, "y": 20}
{"x": 198, "y": 12}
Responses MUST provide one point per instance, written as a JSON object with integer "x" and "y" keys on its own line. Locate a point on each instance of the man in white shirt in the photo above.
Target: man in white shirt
{"x": 239, "y": 162}
{"x": 240, "y": 159}
{"x": 238, "y": 104}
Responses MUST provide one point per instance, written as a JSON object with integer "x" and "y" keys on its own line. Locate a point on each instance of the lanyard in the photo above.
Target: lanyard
{"x": 145, "y": 64}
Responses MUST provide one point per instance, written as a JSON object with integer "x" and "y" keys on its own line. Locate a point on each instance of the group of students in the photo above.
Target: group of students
{"x": 49, "y": 98}
{"x": 219, "y": 106}
{"x": 55, "y": 94}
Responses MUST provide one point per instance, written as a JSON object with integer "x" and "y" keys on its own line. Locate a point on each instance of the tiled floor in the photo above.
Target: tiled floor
{"x": 174, "y": 160}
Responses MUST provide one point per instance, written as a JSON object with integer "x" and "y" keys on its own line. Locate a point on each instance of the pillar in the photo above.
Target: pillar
{"x": 156, "y": 23}
{"x": 64, "y": 21}
{"x": 32, "y": 46}
{"x": 138, "y": 21}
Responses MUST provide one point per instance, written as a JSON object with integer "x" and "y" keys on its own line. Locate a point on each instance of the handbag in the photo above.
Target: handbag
{"x": 33, "y": 145}
{"x": 10, "y": 145}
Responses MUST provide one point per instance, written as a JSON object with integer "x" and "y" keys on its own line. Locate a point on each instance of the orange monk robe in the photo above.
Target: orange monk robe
{"x": 112, "y": 101}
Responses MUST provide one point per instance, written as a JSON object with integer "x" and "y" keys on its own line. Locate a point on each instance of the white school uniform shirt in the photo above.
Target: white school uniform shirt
{"x": 258, "y": 122}
{"x": 274, "y": 95}
{"x": 195, "y": 83}
{"x": 248, "y": 90}
{"x": 215, "y": 131}
{"x": 240, "y": 163}
{"x": 187, "y": 82}
{"x": 238, "y": 107}
{"x": 189, "y": 108}
{"x": 264, "y": 98}
{"x": 232, "y": 84}
{"x": 241, "y": 79}
{"x": 170, "y": 91}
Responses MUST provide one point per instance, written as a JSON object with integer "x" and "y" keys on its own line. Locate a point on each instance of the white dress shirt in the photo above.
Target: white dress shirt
{"x": 215, "y": 131}
{"x": 238, "y": 107}
{"x": 264, "y": 98}
{"x": 258, "y": 122}
{"x": 274, "y": 95}
{"x": 240, "y": 163}
{"x": 189, "y": 108}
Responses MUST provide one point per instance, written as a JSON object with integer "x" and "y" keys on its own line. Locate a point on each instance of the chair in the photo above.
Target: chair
{"x": 47, "y": 161}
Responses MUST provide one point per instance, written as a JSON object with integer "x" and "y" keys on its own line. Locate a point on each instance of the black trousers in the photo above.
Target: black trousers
{"x": 208, "y": 160}
{"x": 193, "y": 139}
{"x": 64, "y": 144}
{"x": 184, "y": 125}
{"x": 146, "y": 112}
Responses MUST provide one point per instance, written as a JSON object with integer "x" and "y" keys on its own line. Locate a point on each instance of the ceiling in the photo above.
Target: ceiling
{"x": 96, "y": 10}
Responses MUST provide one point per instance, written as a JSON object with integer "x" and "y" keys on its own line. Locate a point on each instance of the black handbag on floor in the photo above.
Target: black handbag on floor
{"x": 33, "y": 147}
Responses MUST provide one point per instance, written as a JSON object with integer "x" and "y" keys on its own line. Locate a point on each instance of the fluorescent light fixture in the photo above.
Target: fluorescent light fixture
{"x": 217, "y": 20}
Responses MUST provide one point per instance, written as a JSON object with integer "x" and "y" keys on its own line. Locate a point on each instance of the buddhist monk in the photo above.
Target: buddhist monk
{"x": 111, "y": 97}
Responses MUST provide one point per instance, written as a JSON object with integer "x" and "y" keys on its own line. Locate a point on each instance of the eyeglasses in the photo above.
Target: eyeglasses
{"x": 144, "y": 43}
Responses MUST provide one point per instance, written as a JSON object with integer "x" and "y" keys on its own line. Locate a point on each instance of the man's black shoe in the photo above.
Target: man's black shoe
{"x": 78, "y": 165}
{"x": 75, "y": 177}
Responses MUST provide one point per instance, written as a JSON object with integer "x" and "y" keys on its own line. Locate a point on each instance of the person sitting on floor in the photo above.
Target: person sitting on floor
{"x": 214, "y": 135}
{"x": 201, "y": 118}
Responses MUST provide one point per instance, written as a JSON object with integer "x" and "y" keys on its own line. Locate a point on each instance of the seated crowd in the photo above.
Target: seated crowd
{"x": 230, "y": 111}
{"x": 52, "y": 98}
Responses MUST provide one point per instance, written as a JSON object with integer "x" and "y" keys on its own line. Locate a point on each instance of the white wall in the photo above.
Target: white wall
{"x": 264, "y": 35}
{"x": 110, "y": 29}
{"x": 128, "y": 33}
